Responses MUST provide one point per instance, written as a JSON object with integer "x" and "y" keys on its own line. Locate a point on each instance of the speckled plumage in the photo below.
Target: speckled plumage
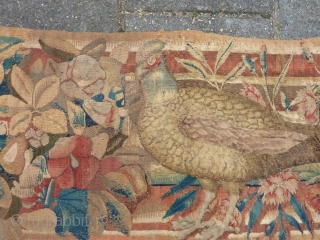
{"x": 161, "y": 136}
{"x": 217, "y": 136}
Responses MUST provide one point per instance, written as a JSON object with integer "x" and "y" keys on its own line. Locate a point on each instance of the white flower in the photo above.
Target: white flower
{"x": 37, "y": 138}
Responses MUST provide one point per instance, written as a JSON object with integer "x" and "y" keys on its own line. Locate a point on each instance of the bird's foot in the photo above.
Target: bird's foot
{"x": 189, "y": 225}
{"x": 217, "y": 230}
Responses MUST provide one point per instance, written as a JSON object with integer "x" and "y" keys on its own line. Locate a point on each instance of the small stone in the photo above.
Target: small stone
{"x": 231, "y": 31}
{"x": 221, "y": 29}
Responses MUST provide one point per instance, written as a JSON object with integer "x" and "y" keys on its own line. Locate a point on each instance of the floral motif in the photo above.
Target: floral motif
{"x": 82, "y": 78}
{"x": 277, "y": 188}
{"x": 37, "y": 138}
{"x": 71, "y": 163}
{"x": 308, "y": 108}
{"x": 252, "y": 93}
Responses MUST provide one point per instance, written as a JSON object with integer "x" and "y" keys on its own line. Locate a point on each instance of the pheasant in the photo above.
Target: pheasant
{"x": 219, "y": 137}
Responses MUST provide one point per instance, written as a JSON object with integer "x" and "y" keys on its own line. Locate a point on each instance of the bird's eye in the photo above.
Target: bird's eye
{"x": 151, "y": 60}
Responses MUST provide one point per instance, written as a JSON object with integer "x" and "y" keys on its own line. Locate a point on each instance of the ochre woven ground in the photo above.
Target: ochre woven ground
{"x": 127, "y": 133}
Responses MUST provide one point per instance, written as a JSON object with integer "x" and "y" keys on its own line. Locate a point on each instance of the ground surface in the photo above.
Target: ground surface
{"x": 271, "y": 19}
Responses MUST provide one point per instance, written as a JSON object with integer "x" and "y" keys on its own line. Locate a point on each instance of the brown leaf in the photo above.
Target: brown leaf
{"x": 59, "y": 48}
{"x": 10, "y": 105}
{"x": 112, "y": 68}
{"x": 51, "y": 68}
{"x": 119, "y": 185}
{"x": 45, "y": 91}
{"x": 22, "y": 83}
{"x": 76, "y": 118}
{"x": 12, "y": 156}
{"x": 20, "y": 122}
{"x": 34, "y": 221}
{"x": 95, "y": 49}
{"x": 120, "y": 52}
{"x": 1, "y": 73}
{"x": 97, "y": 211}
{"x": 36, "y": 70}
{"x": 137, "y": 177}
{"x": 52, "y": 121}
{"x": 100, "y": 143}
{"x": 10, "y": 231}
{"x": 114, "y": 143}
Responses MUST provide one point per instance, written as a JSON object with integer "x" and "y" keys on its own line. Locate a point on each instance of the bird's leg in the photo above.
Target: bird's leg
{"x": 188, "y": 225}
{"x": 217, "y": 230}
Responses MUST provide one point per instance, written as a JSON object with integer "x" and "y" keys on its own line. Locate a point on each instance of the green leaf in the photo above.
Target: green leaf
{"x": 263, "y": 60}
{"x": 314, "y": 180}
{"x": 193, "y": 66}
{"x": 249, "y": 64}
{"x": 223, "y": 54}
{"x": 282, "y": 76}
{"x": 197, "y": 54}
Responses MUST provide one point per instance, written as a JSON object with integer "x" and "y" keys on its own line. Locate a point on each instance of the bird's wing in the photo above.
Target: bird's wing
{"x": 231, "y": 120}
{"x": 219, "y": 132}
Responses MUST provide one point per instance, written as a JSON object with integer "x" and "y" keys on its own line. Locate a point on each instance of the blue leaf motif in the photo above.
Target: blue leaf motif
{"x": 186, "y": 182}
{"x": 298, "y": 208}
{"x": 241, "y": 205}
{"x": 270, "y": 227}
{"x": 71, "y": 213}
{"x": 182, "y": 203}
{"x": 282, "y": 235}
{"x": 249, "y": 64}
{"x": 292, "y": 221}
{"x": 7, "y": 42}
{"x": 255, "y": 213}
{"x": 115, "y": 218}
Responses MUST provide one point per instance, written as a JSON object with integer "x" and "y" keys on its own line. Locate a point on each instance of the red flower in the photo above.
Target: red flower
{"x": 252, "y": 93}
{"x": 313, "y": 199}
{"x": 71, "y": 163}
{"x": 277, "y": 188}
{"x": 308, "y": 108}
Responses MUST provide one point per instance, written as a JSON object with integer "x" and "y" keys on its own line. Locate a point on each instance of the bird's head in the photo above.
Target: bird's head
{"x": 158, "y": 83}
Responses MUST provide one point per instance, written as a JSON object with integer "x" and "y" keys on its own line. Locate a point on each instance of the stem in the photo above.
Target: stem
{"x": 266, "y": 89}
{"x": 49, "y": 193}
{"x": 315, "y": 67}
